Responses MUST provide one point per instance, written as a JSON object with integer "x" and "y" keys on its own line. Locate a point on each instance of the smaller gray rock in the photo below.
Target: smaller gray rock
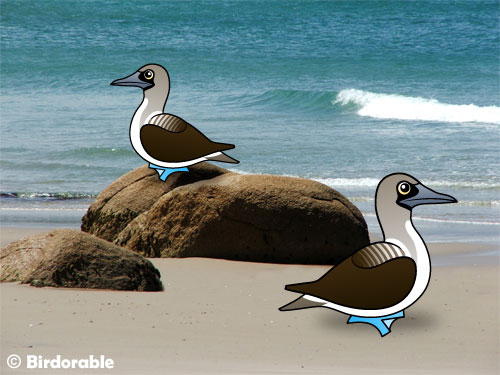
{"x": 74, "y": 259}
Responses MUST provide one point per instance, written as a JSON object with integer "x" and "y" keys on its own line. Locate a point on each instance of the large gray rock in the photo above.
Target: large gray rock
{"x": 249, "y": 217}
{"x": 134, "y": 193}
{"x": 70, "y": 258}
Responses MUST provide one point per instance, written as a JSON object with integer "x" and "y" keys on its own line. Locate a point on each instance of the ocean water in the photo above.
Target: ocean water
{"x": 343, "y": 92}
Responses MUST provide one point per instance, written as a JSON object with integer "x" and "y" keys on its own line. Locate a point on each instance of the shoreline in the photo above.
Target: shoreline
{"x": 433, "y": 230}
{"x": 442, "y": 253}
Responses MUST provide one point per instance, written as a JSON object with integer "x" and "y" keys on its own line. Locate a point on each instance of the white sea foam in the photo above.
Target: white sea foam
{"x": 349, "y": 182}
{"x": 437, "y": 220}
{"x": 415, "y": 108}
{"x": 79, "y": 209}
{"x": 367, "y": 182}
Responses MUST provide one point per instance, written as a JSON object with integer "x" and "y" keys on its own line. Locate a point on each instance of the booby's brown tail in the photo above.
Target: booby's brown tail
{"x": 300, "y": 303}
{"x": 223, "y": 158}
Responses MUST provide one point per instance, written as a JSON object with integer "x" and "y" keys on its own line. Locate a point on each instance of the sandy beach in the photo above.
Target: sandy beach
{"x": 221, "y": 317}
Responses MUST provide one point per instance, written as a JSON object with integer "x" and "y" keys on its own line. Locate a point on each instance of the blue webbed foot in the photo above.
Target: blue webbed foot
{"x": 382, "y": 323}
{"x": 165, "y": 172}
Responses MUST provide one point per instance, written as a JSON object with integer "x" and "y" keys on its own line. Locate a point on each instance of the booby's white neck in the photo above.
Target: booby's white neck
{"x": 145, "y": 111}
{"x": 409, "y": 240}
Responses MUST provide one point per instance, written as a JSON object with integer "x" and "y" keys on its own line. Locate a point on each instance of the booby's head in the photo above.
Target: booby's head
{"x": 407, "y": 192}
{"x": 147, "y": 77}
{"x": 397, "y": 195}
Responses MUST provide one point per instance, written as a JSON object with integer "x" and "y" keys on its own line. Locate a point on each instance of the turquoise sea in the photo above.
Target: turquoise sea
{"x": 343, "y": 92}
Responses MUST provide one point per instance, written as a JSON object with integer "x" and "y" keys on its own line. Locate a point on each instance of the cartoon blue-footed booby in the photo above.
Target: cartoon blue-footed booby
{"x": 166, "y": 141}
{"x": 377, "y": 283}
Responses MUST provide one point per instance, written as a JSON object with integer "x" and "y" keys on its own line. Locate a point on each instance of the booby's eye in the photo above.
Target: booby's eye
{"x": 404, "y": 188}
{"x": 148, "y": 74}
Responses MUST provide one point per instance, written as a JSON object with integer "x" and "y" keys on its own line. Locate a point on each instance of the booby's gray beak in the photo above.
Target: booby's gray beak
{"x": 427, "y": 196}
{"x": 132, "y": 80}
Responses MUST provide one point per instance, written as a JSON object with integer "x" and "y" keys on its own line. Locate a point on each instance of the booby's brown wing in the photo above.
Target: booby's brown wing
{"x": 361, "y": 286}
{"x": 171, "y": 139}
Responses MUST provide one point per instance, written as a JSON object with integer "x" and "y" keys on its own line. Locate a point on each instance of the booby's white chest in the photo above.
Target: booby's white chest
{"x": 420, "y": 255}
{"x": 141, "y": 116}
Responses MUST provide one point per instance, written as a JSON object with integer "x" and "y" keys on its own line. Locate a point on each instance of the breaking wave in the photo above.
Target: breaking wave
{"x": 370, "y": 104}
{"x": 391, "y": 106}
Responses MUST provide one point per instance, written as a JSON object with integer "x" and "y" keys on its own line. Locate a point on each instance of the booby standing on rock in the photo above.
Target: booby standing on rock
{"x": 166, "y": 141}
{"x": 377, "y": 283}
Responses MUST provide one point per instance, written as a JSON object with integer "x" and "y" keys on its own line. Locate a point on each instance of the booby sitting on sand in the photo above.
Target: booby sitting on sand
{"x": 377, "y": 283}
{"x": 164, "y": 140}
